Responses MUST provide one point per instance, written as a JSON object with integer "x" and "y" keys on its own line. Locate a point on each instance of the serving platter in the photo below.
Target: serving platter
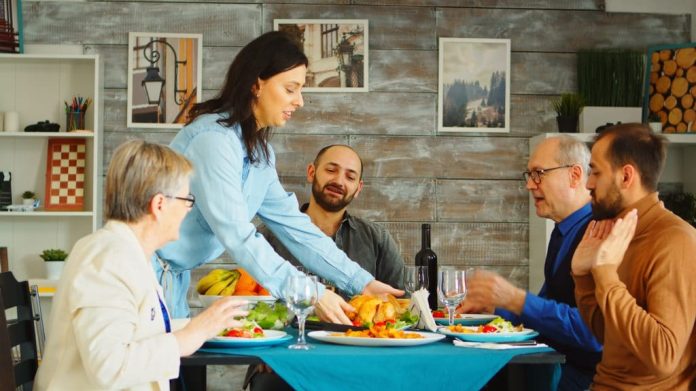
{"x": 332, "y": 337}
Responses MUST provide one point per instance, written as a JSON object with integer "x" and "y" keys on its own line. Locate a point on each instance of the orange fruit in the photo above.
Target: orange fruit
{"x": 261, "y": 291}
{"x": 246, "y": 283}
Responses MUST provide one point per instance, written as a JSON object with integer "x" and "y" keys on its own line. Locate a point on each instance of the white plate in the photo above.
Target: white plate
{"x": 515, "y": 336}
{"x": 208, "y": 300}
{"x": 328, "y": 336}
{"x": 468, "y": 319}
{"x": 271, "y": 337}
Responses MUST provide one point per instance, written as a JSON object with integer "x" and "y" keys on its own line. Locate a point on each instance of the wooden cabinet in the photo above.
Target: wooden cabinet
{"x": 36, "y": 87}
{"x": 680, "y": 167}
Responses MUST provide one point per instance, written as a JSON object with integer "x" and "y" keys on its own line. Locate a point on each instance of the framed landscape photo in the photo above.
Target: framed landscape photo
{"x": 670, "y": 87}
{"x": 474, "y": 85}
{"x": 337, "y": 49}
{"x": 164, "y": 78}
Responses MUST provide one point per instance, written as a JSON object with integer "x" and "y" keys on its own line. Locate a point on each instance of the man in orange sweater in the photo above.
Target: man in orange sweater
{"x": 635, "y": 269}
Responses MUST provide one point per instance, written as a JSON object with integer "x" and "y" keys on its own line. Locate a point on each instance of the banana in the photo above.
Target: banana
{"x": 229, "y": 289}
{"x": 218, "y": 287}
{"x": 211, "y": 278}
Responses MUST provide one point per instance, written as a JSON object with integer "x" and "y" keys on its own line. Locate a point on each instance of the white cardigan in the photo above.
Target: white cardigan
{"x": 106, "y": 327}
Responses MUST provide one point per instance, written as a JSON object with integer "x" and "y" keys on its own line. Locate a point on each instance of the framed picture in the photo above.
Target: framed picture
{"x": 474, "y": 85}
{"x": 164, "y": 78}
{"x": 11, "y": 32}
{"x": 670, "y": 87}
{"x": 65, "y": 174}
{"x": 337, "y": 50}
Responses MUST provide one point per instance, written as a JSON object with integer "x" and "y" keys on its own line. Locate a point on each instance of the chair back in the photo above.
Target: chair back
{"x": 18, "y": 351}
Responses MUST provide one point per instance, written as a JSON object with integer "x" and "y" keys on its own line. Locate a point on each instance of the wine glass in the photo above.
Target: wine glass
{"x": 415, "y": 278}
{"x": 301, "y": 295}
{"x": 451, "y": 289}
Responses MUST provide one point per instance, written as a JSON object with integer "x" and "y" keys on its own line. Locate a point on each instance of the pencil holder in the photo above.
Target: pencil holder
{"x": 75, "y": 120}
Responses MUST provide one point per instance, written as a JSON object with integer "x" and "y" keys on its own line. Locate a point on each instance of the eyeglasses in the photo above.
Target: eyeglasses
{"x": 189, "y": 199}
{"x": 536, "y": 174}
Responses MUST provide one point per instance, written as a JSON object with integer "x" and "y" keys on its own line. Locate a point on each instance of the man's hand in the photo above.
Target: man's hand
{"x": 331, "y": 308}
{"x": 586, "y": 252}
{"x": 613, "y": 248}
{"x": 486, "y": 290}
{"x": 376, "y": 288}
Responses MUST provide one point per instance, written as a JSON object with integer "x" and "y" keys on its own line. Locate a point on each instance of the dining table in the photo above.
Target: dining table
{"x": 437, "y": 365}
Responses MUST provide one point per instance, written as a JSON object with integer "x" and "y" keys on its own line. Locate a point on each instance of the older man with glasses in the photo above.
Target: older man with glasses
{"x": 556, "y": 176}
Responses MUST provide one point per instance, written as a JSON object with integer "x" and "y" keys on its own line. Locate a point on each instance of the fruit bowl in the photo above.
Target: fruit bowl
{"x": 208, "y": 300}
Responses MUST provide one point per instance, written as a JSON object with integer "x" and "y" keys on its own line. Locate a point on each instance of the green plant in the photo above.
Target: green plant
{"x": 611, "y": 77}
{"x": 568, "y": 105}
{"x": 682, "y": 205}
{"x": 53, "y": 255}
{"x": 28, "y": 195}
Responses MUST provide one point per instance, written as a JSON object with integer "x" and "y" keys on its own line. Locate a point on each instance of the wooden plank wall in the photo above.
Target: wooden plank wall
{"x": 467, "y": 185}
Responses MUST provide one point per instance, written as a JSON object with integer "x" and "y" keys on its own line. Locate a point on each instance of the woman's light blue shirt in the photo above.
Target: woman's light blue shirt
{"x": 229, "y": 193}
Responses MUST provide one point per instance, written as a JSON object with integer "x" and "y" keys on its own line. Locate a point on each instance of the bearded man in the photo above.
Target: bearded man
{"x": 635, "y": 268}
{"x": 336, "y": 179}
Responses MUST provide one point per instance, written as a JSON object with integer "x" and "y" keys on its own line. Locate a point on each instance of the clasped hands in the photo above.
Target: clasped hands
{"x": 604, "y": 243}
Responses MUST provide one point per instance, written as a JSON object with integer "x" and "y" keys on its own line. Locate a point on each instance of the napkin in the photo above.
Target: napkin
{"x": 495, "y": 346}
{"x": 419, "y": 305}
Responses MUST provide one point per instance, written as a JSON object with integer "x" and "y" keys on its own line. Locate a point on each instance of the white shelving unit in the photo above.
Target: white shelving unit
{"x": 35, "y": 86}
{"x": 679, "y": 168}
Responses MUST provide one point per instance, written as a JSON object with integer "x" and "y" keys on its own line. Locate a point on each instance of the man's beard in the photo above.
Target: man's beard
{"x": 327, "y": 203}
{"x": 610, "y": 206}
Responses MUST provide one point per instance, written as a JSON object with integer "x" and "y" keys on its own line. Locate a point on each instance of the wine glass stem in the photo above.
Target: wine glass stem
{"x": 301, "y": 325}
{"x": 450, "y": 312}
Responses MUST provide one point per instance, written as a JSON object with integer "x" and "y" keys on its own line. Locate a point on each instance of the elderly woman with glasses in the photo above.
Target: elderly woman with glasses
{"x": 109, "y": 326}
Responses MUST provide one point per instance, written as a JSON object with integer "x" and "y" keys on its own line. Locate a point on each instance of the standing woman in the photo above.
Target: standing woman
{"x": 236, "y": 179}
{"x": 109, "y": 328}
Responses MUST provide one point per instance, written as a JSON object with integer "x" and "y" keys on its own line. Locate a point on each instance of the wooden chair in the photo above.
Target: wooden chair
{"x": 18, "y": 344}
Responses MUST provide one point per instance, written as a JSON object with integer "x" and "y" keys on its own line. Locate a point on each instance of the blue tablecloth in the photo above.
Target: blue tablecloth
{"x": 439, "y": 365}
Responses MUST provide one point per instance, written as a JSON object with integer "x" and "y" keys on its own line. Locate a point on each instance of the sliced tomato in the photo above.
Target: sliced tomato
{"x": 235, "y": 333}
{"x": 489, "y": 329}
{"x": 439, "y": 313}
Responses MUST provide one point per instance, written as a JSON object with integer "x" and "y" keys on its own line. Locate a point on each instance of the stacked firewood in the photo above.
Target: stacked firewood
{"x": 673, "y": 89}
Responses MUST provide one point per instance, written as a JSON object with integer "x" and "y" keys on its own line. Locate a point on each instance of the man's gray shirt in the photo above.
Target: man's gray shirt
{"x": 368, "y": 244}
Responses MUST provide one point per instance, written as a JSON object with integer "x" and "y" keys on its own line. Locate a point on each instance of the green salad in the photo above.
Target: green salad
{"x": 269, "y": 316}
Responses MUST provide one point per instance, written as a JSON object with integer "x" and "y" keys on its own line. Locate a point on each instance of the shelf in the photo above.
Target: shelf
{"x": 46, "y": 134}
{"x": 46, "y": 214}
{"x": 674, "y": 138}
{"x": 47, "y": 288}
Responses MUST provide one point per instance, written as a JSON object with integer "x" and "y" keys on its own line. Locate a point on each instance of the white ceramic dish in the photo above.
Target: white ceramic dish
{"x": 516, "y": 336}
{"x": 270, "y": 338}
{"x": 330, "y": 337}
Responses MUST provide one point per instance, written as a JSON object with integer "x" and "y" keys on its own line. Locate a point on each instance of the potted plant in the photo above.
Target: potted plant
{"x": 611, "y": 83}
{"x": 54, "y": 259}
{"x": 568, "y": 107}
{"x": 28, "y": 197}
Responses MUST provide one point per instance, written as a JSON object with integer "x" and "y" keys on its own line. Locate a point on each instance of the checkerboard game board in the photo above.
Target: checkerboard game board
{"x": 65, "y": 174}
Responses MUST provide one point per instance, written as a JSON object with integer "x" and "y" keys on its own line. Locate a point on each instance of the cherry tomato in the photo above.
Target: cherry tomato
{"x": 439, "y": 313}
{"x": 235, "y": 333}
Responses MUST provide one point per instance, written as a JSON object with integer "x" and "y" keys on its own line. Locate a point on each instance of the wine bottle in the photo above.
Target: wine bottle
{"x": 427, "y": 257}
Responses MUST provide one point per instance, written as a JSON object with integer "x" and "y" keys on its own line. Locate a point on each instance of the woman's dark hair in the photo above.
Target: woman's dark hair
{"x": 264, "y": 57}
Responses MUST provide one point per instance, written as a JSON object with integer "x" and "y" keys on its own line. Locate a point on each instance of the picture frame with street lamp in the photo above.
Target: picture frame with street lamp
{"x": 337, "y": 49}
{"x": 474, "y": 85}
{"x": 164, "y": 78}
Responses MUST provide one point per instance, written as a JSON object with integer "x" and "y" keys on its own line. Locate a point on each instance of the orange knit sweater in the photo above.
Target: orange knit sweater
{"x": 644, "y": 311}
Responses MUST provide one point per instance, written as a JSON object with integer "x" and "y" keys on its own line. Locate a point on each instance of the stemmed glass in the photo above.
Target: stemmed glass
{"x": 451, "y": 289}
{"x": 301, "y": 295}
{"x": 415, "y": 278}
